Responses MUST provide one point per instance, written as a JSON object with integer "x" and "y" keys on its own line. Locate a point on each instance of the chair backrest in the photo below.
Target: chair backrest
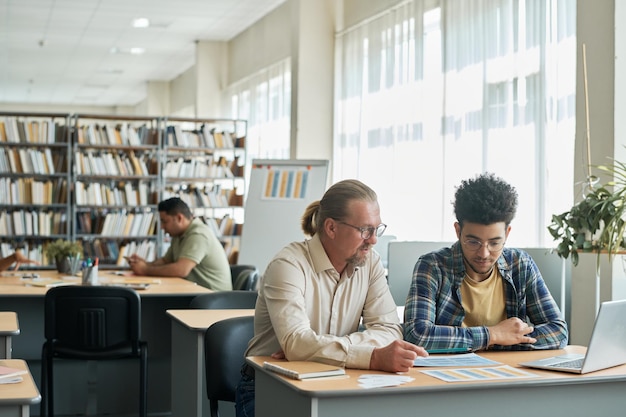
{"x": 245, "y": 277}
{"x": 403, "y": 256}
{"x": 225, "y": 343}
{"x": 555, "y": 272}
{"x": 236, "y": 299}
{"x": 382, "y": 247}
{"x": 92, "y": 320}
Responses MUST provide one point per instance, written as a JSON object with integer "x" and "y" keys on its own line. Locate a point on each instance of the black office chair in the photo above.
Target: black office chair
{"x": 225, "y": 300}
{"x": 225, "y": 343}
{"x": 245, "y": 277}
{"x": 92, "y": 323}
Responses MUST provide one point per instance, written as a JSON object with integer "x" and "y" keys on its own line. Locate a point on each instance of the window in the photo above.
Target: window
{"x": 429, "y": 97}
{"x": 264, "y": 100}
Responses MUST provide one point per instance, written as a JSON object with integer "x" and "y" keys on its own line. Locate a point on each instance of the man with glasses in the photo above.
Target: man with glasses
{"x": 479, "y": 294}
{"x": 314, "y": 294}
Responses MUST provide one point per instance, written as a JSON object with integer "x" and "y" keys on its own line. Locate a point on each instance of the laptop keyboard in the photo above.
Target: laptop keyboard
{"x": 574, "y": 363}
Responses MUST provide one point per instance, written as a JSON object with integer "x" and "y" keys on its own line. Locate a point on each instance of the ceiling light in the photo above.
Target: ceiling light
{"x": 134, "y": 51}
{"x": 141, "y": 22}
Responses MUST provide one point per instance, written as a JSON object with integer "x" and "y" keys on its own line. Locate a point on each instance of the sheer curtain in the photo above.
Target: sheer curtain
{"x": 264, "y": 100}
{"x": 428, "y": 96}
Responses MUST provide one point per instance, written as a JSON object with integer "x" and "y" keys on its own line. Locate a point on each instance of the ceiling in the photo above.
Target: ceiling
{"x": 59, "y": 52}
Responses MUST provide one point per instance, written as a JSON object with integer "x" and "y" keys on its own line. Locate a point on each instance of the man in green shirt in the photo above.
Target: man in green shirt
{"x": 195, "y": 252}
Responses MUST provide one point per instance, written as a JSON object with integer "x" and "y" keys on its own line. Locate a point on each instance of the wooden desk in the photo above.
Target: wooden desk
{"x": 28, "y": 303}
{"x": 8, "y": 328}
{"x": 12, "y": 283}
{"x": 553, "y": 393}
{"x": 189, "y": 396}
{"x": 16, "y": 399}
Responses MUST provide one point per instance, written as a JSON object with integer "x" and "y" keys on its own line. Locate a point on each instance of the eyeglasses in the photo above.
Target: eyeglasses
{"x": 368, "y": 232}
{"x": 474, "y": 245}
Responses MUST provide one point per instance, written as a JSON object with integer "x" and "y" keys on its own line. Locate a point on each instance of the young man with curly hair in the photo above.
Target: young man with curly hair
{"x": 479, "y": 294}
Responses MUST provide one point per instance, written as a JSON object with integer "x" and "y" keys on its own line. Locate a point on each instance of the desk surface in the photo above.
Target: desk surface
{"x": 202, "y": 319}
{"x": 423, "y": 382}
{"x": 8, "y": 323}
{"x": 12, "y": 283}
{"x": 598, "y": 393}
{"x": 24, "y": 392}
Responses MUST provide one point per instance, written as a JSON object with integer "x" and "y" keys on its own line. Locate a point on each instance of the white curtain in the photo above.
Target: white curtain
{"x": 428, "y": 96}
{"x": 264, "y": 101}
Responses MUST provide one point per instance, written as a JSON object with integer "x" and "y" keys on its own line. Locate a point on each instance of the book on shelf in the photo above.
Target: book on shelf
{"x": 304, "y": 369}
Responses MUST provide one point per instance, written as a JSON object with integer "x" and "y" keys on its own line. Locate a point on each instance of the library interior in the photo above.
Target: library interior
{"x": 250, "y": 110}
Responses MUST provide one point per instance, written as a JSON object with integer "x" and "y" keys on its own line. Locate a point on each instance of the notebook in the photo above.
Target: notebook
{"x": 607, "y": 346}
{"x": 304, "y": 369}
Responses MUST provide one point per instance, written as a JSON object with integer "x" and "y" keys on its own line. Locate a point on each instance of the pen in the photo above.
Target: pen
{"x": 450, "y": 350}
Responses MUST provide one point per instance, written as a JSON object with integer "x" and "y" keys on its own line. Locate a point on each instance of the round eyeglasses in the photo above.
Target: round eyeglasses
{"x": 368, "y": 232}
{"x": 475, "y": 244}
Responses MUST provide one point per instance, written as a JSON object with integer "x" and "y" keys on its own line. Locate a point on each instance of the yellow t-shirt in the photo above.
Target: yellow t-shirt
{"x": 483, "y": 301}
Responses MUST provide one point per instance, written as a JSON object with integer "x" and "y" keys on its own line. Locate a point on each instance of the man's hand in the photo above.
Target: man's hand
{"x": 511, "y": 331}
{"x": 21, "y": 259}
{"x": 137, "y": 264}
{"x": 398, "y": 356}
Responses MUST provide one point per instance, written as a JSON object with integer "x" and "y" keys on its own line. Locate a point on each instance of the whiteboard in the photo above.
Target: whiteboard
{"x": 279, "y": 192}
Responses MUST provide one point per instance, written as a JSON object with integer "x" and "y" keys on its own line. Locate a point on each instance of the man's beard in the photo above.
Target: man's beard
{"x": 358, "y": 260}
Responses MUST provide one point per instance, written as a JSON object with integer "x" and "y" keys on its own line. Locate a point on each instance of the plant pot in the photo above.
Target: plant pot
{"x": 63, "y": 266}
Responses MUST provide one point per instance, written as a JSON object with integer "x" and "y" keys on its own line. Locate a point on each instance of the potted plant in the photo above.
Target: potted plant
{"x": 60, "y": 250}
{"x": 596, "y": 223}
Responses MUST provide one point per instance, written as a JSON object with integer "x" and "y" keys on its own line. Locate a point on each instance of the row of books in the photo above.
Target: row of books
{"x": 18, "y": 130}
{"x": 226, "y": 226}
{"x": 124, "y": 194}
{"x": 207, "y": 197}
{"x": 31, "y": 223}
{"x": 109, "y": 163}
{"x": 113, "y": 253}
{"x": 120, "y": 223}
{"x": 204, "y": 137}
{"x": 197, "y": 168}
{"x": 32, "y": 250}
{"x": 30, "y": 191}
{"x": 118, "y": 134}
{"x": 31, "y": 161}
{"x": 231, "y": 248}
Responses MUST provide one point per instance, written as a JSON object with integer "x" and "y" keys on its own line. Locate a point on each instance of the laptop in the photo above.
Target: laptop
{"x": 607, "y": 346}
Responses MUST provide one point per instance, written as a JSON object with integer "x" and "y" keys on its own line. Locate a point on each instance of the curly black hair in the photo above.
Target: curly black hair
{"x": 485, "y": 199}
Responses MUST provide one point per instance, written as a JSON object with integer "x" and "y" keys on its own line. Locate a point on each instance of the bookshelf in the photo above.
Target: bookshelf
{"x": 34, "y": 182}
{"x": 203, "y": 163}
{"x": 98, "y": 179}
{"x": 117, "y": 182}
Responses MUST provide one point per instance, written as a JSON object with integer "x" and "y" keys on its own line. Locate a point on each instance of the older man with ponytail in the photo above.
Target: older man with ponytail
{"x": 314, "y": 294}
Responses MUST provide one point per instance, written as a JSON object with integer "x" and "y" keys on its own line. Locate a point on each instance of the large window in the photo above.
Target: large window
{"x": 264, "y": 100}
{"x": 429, "y": 97}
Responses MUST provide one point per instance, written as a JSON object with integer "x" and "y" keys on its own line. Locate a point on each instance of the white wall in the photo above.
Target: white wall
{"x": 183, "y": 93}
{"x": 264, "y": 43}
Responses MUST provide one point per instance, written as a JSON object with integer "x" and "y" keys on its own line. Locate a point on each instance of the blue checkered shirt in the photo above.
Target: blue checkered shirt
{"x": 433, "y": 313}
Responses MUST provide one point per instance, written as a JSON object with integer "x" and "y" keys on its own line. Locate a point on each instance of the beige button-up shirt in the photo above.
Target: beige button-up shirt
{"x": 310, "y": 312}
